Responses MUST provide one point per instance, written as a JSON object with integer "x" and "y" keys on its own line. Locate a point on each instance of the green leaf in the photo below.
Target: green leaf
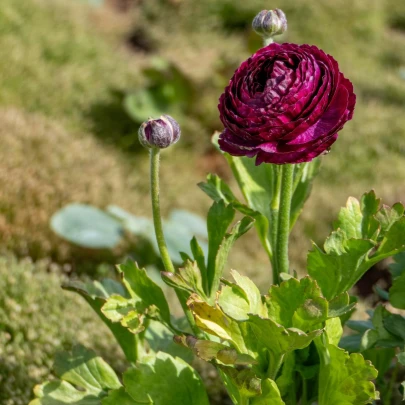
{"x": 398, "y": 267}
{"x": 379, "y": 336}
{"x": 212, "y": 320}
{"x": 270, "y": 394}
{"x": 286, "y": 378}
{"x": 87, "y": 226}
{"x": 346, "y": 379}
{"x": 163, "y": 380}
{"x": 333, "y": 330}
{"x": 187, "y": 278}
{"x": 357, "y": 218}
{"x": 96, "y": 294}
{"x": 83, "y": 369}
{"x": 125, "y": 311}
{"x": 257, "y": 183}
{"x": 240, "y": 299}
{"x": 336, "y": 272}
{"x": 118, "y": 397}
{"x": 297, "y": 304}
{"x": 217, "y": 189}
{"x": 395, "y": 324}
{"x": 381, "y": 360}
{"x": 304, "y": 175}
{"x": 220, "y": 242}
{"x": 363, "y": 236}
{"x": 161, "y": 339}
{"x": 141, "y": 287}
{"x": 240, "y": 384}
{"x": 397, "y": 292}
{"x": 219, "y": 218}
{"x": 263, "y": 339}
{"x": 387, "y": 216}
{"x": 208, "y": 350}
{"x": 275, "y": 339}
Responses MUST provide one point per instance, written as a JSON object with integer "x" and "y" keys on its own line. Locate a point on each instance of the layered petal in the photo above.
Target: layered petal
{"x": 285, "y": 104}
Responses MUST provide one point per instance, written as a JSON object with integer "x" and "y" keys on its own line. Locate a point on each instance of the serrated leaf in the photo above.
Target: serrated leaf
{"x": 387, "y": 216}
{"x": 359, "y": 241}
{"x": 335, "y": 272}
{"x": 276, "y": 339}
{"x": 141, "y": 287}
{"x": 96, "y": 294}
{"x": 81, "y": 368}
{"x": 297, "y": 304}
{"x": 346, "y": 379}
{"x": 163, "y": 380}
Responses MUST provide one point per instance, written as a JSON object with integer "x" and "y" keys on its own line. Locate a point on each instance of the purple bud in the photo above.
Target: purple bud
{"x": 270, "y": 22}
{"x": 160, "y": 133}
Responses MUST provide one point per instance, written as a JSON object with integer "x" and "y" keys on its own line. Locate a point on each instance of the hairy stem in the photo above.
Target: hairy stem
{"x": 274, "y": 212}
{"x": 283, "y": 231}
{"x": 157, "y": 221}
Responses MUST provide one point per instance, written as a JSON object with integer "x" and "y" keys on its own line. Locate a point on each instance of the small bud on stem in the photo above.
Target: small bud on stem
{"x": 269, "y": 23}
{"x": 159, "y": 133}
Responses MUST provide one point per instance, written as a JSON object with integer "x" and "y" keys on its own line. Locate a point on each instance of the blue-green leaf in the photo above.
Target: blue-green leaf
{"x": 87, "y": 226}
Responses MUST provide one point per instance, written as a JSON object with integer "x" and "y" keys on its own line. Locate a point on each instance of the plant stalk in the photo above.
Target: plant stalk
{"x": 283, "y": 226}
{"x": 157, "y": 222}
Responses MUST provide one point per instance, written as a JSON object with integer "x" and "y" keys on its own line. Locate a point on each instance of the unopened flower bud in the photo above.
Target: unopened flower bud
{"x": 270, "y": 22}
{"x": 159, "y": 133}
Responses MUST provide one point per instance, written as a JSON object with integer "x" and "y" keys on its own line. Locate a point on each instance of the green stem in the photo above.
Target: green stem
{"x": 283, "y": 231}
{"x": 157, "y": 222}
{"x": 391, "y": 383}
{"x": 274, "y": 211}
{"x": 275, "y": 367}
{"x": 157, "y": 219}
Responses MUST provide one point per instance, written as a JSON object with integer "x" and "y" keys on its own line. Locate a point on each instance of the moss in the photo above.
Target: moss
{"x": 37, "y": 319}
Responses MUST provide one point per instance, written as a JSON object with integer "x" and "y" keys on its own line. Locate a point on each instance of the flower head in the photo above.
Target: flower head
{"x": 285, "y": 104}
{"x": 270, "y": 22}
{"x": 159, "y": 133}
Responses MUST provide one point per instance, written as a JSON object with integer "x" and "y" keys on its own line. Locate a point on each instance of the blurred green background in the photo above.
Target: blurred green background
{"x": 78, "y": 76}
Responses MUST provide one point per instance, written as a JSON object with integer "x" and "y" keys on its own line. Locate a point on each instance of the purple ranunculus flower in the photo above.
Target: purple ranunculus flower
{"x": 159, "y": 133}
{"x": 285, "y": 104}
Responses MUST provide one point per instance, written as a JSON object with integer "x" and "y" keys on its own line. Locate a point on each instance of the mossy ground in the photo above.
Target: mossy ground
{"x": 66, "y": 138}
